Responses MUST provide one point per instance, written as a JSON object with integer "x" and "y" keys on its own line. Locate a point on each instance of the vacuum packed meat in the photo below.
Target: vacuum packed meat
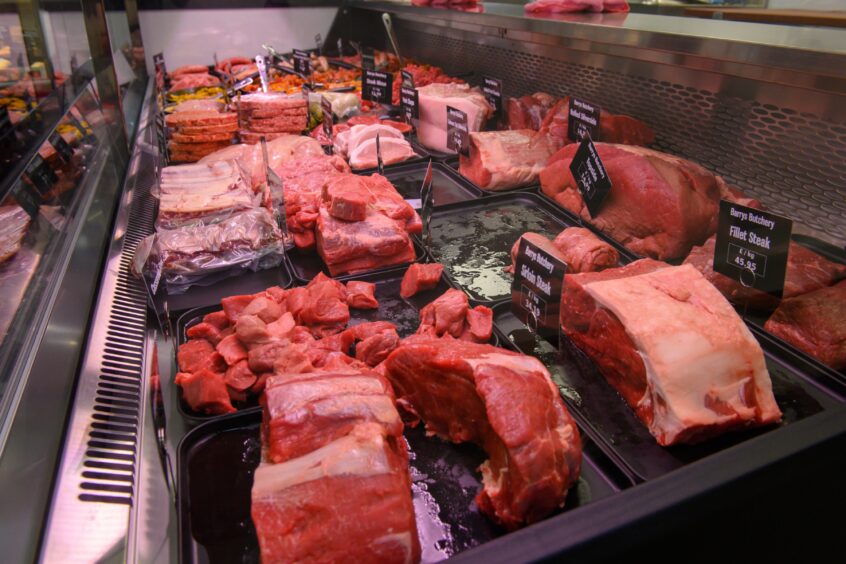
{"x": 502, "y": 401}
{"x": 673, "y": 347}
{"x": 814, "y": 322}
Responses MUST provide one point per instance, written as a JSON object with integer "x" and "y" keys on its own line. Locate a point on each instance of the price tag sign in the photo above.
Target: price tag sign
{"x": 492, "y": 88}
{"x": 368, "y": 59}
{"x": 583, "y": 120}
{"x": 536, "y": 290}
{"x": 590, "y": 175}
{"x": 407, "y": 79}
{"x": 458, "y": 134}
{"x": 377, "y": 87}
{"x": 752, "y": 247}
{"x": 161, "y": 70}
{"x": 61, "y": 146}
{"x": 410, "y": 102}
{"x": 42, "y": 176}
{"x": 328, "y": 118}
{"x": 302, "y": 62}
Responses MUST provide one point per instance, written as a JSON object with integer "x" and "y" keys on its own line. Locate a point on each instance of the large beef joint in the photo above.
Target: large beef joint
{"x": 500, "y": 160}
{"x": 673, "y": 347}
{"x": 806, "y": 272}
{"x": 815, "y": 323}
{"x": 502, "y": 401}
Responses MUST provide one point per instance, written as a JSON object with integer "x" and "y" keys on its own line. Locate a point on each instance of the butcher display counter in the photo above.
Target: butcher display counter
{"x": 155, "y": 467}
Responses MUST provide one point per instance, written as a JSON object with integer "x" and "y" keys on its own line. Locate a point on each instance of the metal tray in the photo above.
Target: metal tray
{"x": 305, "y": 265}
{"x": 473, "y": 240}
{"x": 216, "y": 463}
{"x": 402, "y": 312}
{"x": 607, "y": 419}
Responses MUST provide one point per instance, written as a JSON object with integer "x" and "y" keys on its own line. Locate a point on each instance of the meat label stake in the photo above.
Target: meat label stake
{"x": 407, "y": 79}
{"x": 583, "y": 120}
{"x": 590, "y": 175}
{"x": 368, "y": 60}
{"x": 536, "y": 290}
{"x": 302, "y": 62}
{"x": 318, "y": 42}
{"x": 161, "y": 70}
{"x": 41, "y": 175}
{"x": 273, "y": 190}
{"x": 751, "y": 247}
{"x": 457, "y": 131}
{"x": 427, "y": 204}
{"x": 377, "y": 87}
{"x": 380, "y": 166}
{"x": 62, "y": 148}
{"x": 410, "y": 102}
{"x": 492, "y": 87}
{"x": 328, "y": 121}
{"x": 262, "y": 68}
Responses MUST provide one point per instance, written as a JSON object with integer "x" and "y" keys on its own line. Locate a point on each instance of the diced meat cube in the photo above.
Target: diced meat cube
{"x": 262, "y": 357}
{"x": 231, "y": 350}
{"x": 347, "y": 198}
{"x": 282, "y": 327}
{"x": 261, "y": 380}
{"x": 236, "y": 395}
{"x": 239, "y": 376}
{"x": 325, "y": 311}
{"x": 479, "y": 325}
{"x": 197, "y": 354}
{"x": 205, "y": 391}
{"x": 296, "y": 301}
{"x": 251, "y": 330}
{"x": 445, "y": 315}
{"x": 364, "y": 330}
{"x": 420, "y": 277}
{"x": 218, "y": 319}
{"x": 234, "y": 305}
{"x": 361, "y": 295}
{"x": 205, "y": 331}
{"x": 264, "y": 308}
{"x": 376, "y": 348}
{"x": 277, "y": 294}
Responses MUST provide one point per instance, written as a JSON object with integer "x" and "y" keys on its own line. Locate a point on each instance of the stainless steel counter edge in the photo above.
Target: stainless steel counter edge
{"x": 802, "y": 49}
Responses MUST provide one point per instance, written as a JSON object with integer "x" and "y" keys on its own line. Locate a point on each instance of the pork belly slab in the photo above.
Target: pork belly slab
{"x": 500, "y": 160}
{"x": 673, "y": 347}
{"x": 504, "y": 402}
{"x": 348, "y": 501}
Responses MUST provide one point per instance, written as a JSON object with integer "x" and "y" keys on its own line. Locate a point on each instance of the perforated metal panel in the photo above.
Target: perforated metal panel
{"x": 792, "y": 160}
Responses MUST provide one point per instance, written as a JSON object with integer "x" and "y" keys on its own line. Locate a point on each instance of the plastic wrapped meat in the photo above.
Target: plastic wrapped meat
{"x": 14, "y": 222}
{"x": 815, "y": 323}
{"x": 249, "y": 239}
{"x": 502, "y": 401}
{"x": 673, "y": 347}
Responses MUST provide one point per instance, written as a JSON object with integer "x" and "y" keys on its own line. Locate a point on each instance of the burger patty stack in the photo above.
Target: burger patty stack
{"x": 195, "y": 134}
{"x": 270, "y": 115}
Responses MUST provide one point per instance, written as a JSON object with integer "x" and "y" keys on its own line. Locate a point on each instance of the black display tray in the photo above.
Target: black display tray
{"x": 402, "y": 312}
{"x": 216, "y": 462}
{"x": 473, "y": 240}
{"x": 448, "y": 187}
{"x": 801, "y": 392}
{"x": 305, "y": 265}
{"x": 449, "y": 158}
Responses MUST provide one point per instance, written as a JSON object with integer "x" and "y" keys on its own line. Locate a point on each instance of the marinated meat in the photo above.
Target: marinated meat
{"x": 356, "y": 487}
{"x": 14, "y": 222}
{"x": 502, "y": 401}
{"x": 806, "y": 272}
{"x": 814, "y": 322}
{"x": 451, "y": 315}
{"x": 673, "y": 347}
{"x": 584, "y": 251}
{"x": 433, "y": 101}
{"x": 361, "y": 295}
{"x": 499, "y": 160}
{"x": 660, "y": 205}
{"x": 420, "y": 277}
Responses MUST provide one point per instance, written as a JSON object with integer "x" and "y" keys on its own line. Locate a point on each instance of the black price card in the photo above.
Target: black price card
{"x": 590, "y": 175}
{"x": 159, "y": 63}
{"x": 407, "y": 79}
{"x": 62, "y": 148}
{"x": 583, "y": 120}
{"x": 492, "y": 88}
{"x": 752, "y": 247}
{"x": 536, "y": 290}
{"x": 328, "y": 120}
{"x": 41, "y": 175}
{"x": 458, "y": 134}
{"x": 302, "y": 62}
{"x": 368, "y": 59}
{"x": 377, "y": 87}
{"x": 410, "y": 102}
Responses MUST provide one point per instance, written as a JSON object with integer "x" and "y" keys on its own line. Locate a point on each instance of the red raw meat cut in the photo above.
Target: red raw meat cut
{"x": 205, "y": 391}
{"x": 350, "y": 247}
{"x": 570, "y": 6}
{"x": 539, "y": 241}
{"x": 504, "y": 402}
{"x": 239, "y": 377}
{"x": 528, "y": 112}
{"x": 361, "y": 295}
{"x": 420, "y": 277}
{"x": 585, "y": 252}
{"x": 231, "y": 350}
{"x": 309, "y": 509}
{"x": 346, "y": 198}
{"x": 500, "y": 160}
{"x": 197, "y": 354}
{"x": 234, "y": 305}
{"x": 612, "y": 128}
{"x": 205, "y": 331}
{"x": 218, "y": 319}
{"x": 806, "y": 272}
{"x": 266, "y": 309}
{"x": 659, "y": 206}
{"x": 815, "y": 323}
{"x": 673, "y": 347}
{"x": 451, "y": 315}
{"x": 325, "y": 311}
{"x": 376, "y": 348}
